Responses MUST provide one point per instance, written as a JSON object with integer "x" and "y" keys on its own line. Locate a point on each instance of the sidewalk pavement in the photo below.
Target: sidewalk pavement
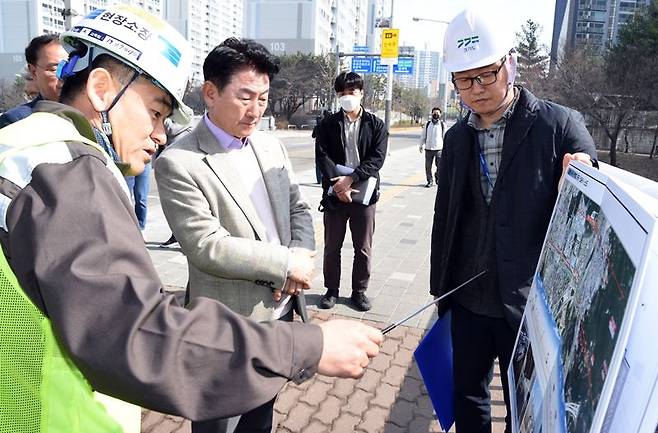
{"x": 390, "y": 397}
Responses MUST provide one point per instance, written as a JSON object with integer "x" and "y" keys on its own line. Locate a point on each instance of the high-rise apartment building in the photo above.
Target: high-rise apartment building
{"x": 308, "y": 26}
{"x": 21, "y": 20}
{"x": 373, "y": 32}
{"x": 426, "y": 72}
{"x": 205, "y": 24}
{"x": 154, "y": 7}
{"x": 427, "y": 66}
{"x": 592, "y": 22}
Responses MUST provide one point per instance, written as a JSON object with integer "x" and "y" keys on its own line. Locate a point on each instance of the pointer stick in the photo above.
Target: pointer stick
{"x": 400, "y": 322}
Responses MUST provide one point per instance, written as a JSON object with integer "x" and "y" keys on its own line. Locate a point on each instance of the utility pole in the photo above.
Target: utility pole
{"x": 389, "y": 83}
{"x": 335, "y": 97}
{"x": 334, "y": 100}
{"x": 443, "y": 73}
{"x": 444, "y": 86}
{"x": 69, "y": 12}
{"x": 66, "y": 14}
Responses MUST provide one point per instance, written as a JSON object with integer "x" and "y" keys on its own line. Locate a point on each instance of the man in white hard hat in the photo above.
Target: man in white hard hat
{"x": 498, "y": 182}
{"x": 81, "y": 305}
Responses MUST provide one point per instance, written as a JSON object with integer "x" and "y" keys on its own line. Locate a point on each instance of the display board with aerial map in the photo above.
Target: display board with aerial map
{"x": 572, "y": 362}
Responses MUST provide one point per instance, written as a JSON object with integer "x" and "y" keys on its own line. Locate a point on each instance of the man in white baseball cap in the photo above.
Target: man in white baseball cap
{"x": 498, "y": 182}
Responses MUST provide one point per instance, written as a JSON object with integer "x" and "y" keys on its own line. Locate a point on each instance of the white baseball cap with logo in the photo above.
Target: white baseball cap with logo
{"x": 144, "y": 42}
{"x": 476, "y": 38}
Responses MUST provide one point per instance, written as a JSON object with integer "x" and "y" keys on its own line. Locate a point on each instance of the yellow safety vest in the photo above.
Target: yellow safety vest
{"x": 41, "y": 389}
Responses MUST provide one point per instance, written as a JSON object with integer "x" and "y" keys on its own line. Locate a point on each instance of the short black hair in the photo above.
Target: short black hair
{"x": 436, "y": 108}
{"x": 74, "y": 84}
{"x": 348, "y": 81}
{"x": 32, "y": 49}
{"x": 235, "y": 54}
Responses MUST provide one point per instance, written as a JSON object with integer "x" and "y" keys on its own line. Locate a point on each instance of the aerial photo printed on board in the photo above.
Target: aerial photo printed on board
{"x": 586, "y": 276}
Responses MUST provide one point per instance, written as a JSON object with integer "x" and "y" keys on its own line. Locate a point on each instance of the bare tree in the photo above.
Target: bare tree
{"x": 11, "y": 94}
{"x": 193, "y": 98}
{"x": 374, "y": 91}
{"x": 581, "y": 82}
{"x": 302, "y": 77}
{"x": 412, "y": 102}
{"x": 632, "y": 63}
{"x": 415, "y": 103}
{"x": 324, "y": 81}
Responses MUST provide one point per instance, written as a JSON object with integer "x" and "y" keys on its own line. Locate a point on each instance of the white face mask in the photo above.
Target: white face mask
{"x": 349, "y": 103}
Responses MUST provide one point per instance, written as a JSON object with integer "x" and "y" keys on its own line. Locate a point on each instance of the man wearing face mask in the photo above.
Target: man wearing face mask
{"x": 431, "y": 140}
{"x": 350, "y": 148}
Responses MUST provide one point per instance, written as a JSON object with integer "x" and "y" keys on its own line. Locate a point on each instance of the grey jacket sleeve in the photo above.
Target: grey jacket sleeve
{"x": 76, "y": 250}
{"x": 205, "y": 238}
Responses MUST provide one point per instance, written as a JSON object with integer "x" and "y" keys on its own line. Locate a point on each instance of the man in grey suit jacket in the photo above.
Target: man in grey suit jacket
{"x": 233, "y": 203}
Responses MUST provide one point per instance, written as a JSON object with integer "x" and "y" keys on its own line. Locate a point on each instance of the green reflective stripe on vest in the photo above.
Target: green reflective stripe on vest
{"x": 41, "y": 390}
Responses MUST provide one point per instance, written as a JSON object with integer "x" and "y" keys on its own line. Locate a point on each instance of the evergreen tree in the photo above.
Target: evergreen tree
{"x": 532, "y": 58}
{"x": 632, "y": 63}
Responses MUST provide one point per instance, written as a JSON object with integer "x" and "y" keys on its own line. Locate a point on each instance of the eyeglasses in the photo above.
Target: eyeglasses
{"x": 484, "y": 79}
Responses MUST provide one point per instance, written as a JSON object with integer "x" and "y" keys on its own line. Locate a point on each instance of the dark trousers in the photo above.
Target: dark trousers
{"x": 477, "y": 341}
{"x": 139, "y": 189}
{"x": 258, "y": 420}
{"x": 361, "y": 220}
{"x": 432, "y": 157}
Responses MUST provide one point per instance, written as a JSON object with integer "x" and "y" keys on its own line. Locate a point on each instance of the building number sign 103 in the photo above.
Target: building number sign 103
{"x": 277, "y": 47}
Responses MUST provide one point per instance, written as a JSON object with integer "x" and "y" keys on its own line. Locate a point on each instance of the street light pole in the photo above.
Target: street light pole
{"x": 67, "y": 14}
{"x": 443, "y": 83}
{"x": 431, "y": 20}
{"x": 443, "y": 75}
{"x": 389, "y": 84}
{"x": 335, "y": 98}
{"x": 70, "y": 12}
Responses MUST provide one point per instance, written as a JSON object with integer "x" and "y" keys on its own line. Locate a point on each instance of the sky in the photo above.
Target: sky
{"x": 424, "y": 34}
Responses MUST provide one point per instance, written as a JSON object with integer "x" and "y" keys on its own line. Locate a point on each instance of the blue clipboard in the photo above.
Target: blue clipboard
{"x": 434, "y": 358}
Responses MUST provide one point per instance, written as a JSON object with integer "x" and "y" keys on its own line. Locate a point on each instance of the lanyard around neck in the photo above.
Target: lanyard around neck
{"x": 485, "y": 169}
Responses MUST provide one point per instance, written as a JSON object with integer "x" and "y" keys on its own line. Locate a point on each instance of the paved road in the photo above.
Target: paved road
{"x": 300, "y": 147}
{"x": 390, "y": 397}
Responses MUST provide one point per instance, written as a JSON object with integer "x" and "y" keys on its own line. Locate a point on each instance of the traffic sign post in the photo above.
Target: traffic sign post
{"x": 361, "y": 64}
{"x": 390, "y": 42}
{"x": 405, "y": 66}
{"x": 364, "y": 62}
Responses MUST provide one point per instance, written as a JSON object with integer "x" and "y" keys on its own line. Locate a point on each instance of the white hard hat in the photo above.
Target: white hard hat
{"x": 475, "y": 39}
{"x": 139, "y": 39}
